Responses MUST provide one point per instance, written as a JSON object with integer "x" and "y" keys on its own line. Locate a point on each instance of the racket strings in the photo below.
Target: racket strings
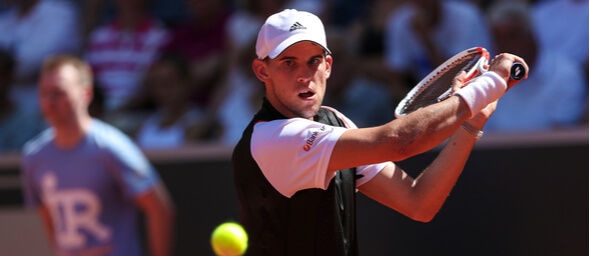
{"x": 440, "y": 82}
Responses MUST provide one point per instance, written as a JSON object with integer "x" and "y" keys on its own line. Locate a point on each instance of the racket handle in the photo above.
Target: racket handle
{"x": 517, "y": 71}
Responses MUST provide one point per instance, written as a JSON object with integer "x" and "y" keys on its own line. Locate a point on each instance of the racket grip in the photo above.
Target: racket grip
{"x": 517, "y": 71}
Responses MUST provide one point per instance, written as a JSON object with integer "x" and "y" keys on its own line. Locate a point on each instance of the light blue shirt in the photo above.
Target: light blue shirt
{"x": 89, "y": 189}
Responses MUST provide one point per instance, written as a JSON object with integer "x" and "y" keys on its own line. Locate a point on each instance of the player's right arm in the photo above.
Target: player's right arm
{"x": 414, "y": 133}
{"x": 401, "y": 138}
{"x": 421, "y": 198}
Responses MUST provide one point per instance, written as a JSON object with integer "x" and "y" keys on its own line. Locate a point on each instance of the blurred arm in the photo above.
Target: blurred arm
{"x": 47, "y": 225}
{"x": 159, "y": 212}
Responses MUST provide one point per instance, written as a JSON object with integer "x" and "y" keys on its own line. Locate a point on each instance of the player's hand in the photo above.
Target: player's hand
{"x": 459, "y": 81}
{"x": 501, "y": 65}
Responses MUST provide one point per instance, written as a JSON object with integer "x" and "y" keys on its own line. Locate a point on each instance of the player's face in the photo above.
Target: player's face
{"x": 297, "y": 80}
{"x": 61, "y": 96}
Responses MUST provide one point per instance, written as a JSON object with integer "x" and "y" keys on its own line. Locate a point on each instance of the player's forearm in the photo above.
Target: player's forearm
{"x": 434, "y": 185}
{"x": 426, "y": 128}
{"x": 399, "y": 139}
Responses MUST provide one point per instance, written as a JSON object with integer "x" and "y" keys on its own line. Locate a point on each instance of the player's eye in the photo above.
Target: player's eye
{"x": 289, "y": 62}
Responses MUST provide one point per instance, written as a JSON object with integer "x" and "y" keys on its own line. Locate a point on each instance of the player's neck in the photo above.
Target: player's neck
{"x": 68, "y": 136}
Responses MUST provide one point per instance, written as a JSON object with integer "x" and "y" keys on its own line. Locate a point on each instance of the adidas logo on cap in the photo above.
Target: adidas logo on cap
{"x": 288, "y": 27}
{"x": 296, "y": 26}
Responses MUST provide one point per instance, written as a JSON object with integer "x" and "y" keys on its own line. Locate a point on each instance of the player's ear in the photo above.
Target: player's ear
{"x": 261, "y": 70}
{"x": 329, "y": 62}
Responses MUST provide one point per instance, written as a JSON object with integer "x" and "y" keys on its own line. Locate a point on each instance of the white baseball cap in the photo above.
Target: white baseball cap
{"x": 286, "y": 28}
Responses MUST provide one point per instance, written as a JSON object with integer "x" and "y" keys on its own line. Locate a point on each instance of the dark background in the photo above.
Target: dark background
{"x": 510, "y": 200}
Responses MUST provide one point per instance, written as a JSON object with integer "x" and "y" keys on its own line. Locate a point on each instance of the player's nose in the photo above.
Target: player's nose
{"x": 305, "y": 75}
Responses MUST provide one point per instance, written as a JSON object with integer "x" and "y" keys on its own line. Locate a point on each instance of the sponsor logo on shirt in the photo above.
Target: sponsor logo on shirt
{"x": 311, "y": 140}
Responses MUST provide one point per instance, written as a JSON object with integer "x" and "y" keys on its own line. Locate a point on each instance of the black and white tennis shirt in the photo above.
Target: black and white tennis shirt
{"x": 289, "y": 203}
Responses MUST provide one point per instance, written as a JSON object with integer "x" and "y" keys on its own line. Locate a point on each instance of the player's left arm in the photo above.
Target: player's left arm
{"x": 159, "y": 212}
{"x": 421, "y": 198}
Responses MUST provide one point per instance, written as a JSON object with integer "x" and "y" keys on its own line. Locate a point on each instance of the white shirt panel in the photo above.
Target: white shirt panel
{"x": 293, "y": 154}
{"x": 367, "y": 172}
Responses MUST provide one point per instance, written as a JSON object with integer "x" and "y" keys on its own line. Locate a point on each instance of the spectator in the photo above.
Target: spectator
{"x": 555, "y": 21}
{"x": 202, "y": 41}
{"x": 554, "y": 94}
{"x": 240, "y": 99}
{"x": 420, "y": 35}
{"x": 121, "y": 51}
{"x": 31, "y": 31}
{"x": 17, "y": 125}
{"x": 343, "y": 13}
{"x": 348, "y": 87}
{"x": 171, "y": 12}
{"x": 88, "y": 181}
{"x": 175, "y": 120}
{"x": 369, "y": 45}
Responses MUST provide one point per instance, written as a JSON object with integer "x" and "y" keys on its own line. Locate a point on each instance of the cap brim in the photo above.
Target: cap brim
{"x": 297, "y": 38}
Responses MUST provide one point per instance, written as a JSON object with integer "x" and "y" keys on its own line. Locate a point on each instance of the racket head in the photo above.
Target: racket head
{"x": 473, "y": 61}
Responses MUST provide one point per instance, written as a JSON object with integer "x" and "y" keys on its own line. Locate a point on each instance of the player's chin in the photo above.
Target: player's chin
{"x": 309, "y": 105}
{"x": 309, "y": 111}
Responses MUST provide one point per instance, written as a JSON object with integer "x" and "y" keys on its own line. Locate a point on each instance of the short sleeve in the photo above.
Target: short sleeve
{"x": 131, "y": 167}
{"x": 293, "y": 154}
{"x": 367, "y": 172}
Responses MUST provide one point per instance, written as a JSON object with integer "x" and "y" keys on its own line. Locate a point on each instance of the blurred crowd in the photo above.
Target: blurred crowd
{"x": 176, "y": 72}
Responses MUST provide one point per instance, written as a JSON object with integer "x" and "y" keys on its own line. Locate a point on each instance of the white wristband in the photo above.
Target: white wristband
{"x": 482, "y": 91}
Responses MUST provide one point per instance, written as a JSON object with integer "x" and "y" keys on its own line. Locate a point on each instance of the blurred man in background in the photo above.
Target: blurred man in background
{"x": 87, "y": 179}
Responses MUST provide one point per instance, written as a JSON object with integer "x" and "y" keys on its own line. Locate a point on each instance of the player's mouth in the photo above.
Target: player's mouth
{"x": 307, "y": 95}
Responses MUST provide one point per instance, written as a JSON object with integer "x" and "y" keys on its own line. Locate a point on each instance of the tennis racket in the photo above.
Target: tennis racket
{"x": 437, "y": 86}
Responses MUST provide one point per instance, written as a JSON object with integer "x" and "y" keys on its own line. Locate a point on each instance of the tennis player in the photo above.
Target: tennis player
{"x": 88, "y": 180}
{"x": 299, "y": 164}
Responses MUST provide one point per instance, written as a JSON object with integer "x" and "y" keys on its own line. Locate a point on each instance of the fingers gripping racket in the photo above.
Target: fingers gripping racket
{"x": 437, "y": 86}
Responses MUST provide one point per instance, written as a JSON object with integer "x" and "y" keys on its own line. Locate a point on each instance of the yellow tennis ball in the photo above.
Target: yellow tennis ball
{"x": 229, "y": 239}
